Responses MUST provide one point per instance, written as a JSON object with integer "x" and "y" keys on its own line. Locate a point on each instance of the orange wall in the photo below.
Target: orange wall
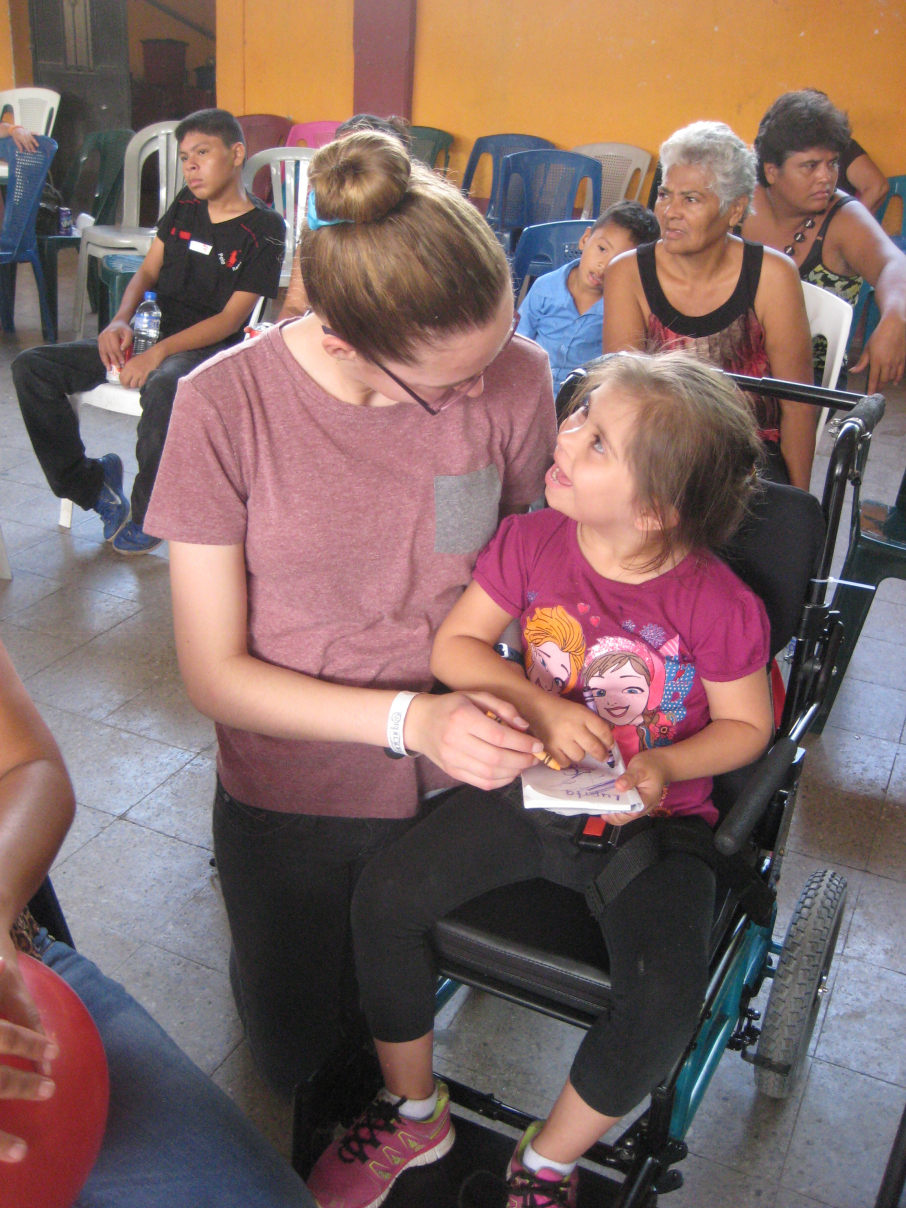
{"x": 148, "y": 22}
{"x": 584, "y": 71}
{"x": 21, "y": 30}
{"x": 285, "y": 56}
{"x": 7, "y": 75}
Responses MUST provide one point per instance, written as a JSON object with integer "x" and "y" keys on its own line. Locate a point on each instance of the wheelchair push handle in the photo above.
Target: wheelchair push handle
{"x": 869, "y": 411}
{"x": 768, "y": 776}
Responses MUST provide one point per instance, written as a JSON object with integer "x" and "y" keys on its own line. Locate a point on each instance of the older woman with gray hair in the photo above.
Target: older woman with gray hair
{"x": 701, "y": 289}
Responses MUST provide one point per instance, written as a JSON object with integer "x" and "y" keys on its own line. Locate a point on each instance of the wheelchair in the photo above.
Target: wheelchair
{"x": 536, "y": 944}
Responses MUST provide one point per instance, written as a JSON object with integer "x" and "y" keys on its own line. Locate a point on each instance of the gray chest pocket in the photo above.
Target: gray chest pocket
{"x": 465, "y": 510}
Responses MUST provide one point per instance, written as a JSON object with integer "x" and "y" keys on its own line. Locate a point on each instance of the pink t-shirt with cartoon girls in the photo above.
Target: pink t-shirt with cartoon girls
{"x": 634, "y": 652}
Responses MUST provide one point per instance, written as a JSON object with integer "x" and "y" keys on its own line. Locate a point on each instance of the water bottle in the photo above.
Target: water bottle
{"x": 146, "y": 324}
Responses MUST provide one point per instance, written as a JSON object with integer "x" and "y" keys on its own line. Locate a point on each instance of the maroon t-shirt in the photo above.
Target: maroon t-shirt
{"x": 636, "y": 653}
{"x": 361, "y": 527}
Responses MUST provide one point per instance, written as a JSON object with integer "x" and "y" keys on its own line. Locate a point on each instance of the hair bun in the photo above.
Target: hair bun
{"x": 361, "y": 177}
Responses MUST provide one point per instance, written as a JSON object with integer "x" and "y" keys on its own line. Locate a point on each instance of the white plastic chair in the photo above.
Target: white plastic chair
{"x": 289, "y": 189}
{"x": 110, "y": 396}
{"x": 619, "y": 162}
{"x": 33, "y": 108}
{"x": 830, "y": 316}
{"x": 100, "y": 241}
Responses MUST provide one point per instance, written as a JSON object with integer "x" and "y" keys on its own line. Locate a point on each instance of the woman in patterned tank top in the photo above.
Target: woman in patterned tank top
{"x": 702, "y": 290}
{"x": 832, "y": 238}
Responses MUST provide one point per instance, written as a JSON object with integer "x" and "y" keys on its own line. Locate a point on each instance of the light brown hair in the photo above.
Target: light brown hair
{"x": 556, "y": 625}
{"x": 693, "y": 450}
{"x": 414, "y": 260}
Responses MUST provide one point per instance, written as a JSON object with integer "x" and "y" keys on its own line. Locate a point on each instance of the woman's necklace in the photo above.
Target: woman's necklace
{"x": 799, "y": 237}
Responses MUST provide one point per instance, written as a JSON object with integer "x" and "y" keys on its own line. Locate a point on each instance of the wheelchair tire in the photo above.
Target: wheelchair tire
{"x": 800, "y": 983}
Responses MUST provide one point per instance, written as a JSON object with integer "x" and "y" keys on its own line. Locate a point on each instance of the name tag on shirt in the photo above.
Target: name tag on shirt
{"x": 205, "y": 248}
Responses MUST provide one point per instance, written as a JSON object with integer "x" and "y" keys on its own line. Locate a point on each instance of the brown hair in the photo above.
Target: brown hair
{"x": 610, "y": 662}
{"x": 413, "y": 259}
{"x": 693, "y": 451}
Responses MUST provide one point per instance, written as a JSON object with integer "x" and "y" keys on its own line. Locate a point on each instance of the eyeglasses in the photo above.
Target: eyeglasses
{"x": 452, "y": 394}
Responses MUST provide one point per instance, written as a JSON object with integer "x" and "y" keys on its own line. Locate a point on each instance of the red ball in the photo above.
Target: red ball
{"x": 63, "y": 1133}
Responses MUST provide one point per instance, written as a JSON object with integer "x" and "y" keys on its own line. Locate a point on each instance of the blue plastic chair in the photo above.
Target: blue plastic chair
{"x": 541, "y": 186}
{"x": 546, "y": 247}
{"x": 18, "y": 243}
{"x": 497, "y": 146}
{"x": 897, "y": 189}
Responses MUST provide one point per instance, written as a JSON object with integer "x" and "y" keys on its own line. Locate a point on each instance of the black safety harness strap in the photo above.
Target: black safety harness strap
{"x": 691, "y": 836}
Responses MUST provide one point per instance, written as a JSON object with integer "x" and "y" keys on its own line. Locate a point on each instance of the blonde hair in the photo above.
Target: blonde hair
{"x": 411, "y": 260}
{"x": 693, "y": 449}
{"x": 556, "y": 625}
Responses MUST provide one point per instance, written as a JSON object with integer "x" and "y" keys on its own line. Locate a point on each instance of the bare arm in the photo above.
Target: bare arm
{"x": 869, "y": 252}
{"x": 228, "y": 684}
{"x": 739, "y": 731}
{"x": 625, "y": 323}
{"x": 24, "y": 139}
{"x": 780, "y": 307}
{"x": 36, "y": 808}
{"x": 868, "y": 180}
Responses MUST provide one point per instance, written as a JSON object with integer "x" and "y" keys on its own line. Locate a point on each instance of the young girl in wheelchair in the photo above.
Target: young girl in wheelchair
{"x": 665, "y": 654}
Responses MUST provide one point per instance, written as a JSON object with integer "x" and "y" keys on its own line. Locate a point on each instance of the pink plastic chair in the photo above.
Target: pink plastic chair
{"x": 312, "y": 134}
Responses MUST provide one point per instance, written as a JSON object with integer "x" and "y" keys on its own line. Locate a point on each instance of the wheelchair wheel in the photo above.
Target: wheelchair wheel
{"x": 800, "y": 983}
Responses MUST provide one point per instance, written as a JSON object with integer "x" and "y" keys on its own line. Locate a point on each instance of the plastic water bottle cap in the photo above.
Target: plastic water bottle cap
{"x": 150, "y": 296}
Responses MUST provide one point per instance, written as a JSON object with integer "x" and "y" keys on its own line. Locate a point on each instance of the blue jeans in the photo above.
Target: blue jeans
{"x": 173, "y": 1138}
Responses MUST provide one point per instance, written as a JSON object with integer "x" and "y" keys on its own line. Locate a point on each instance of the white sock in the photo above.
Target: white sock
{"x": 532, "y": 1160}
{"x": 416, "y": 1109}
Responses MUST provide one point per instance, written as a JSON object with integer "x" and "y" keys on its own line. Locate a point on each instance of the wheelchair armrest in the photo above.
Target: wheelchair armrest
{"x": 869, "y": 410}
{"x": 767, "y": 777}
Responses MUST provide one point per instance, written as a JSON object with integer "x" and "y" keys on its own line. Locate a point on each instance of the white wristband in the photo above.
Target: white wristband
{"x": 396, "y": 720}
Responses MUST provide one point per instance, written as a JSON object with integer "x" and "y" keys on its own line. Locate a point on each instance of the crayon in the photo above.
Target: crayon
{"x": 542, "y": 756}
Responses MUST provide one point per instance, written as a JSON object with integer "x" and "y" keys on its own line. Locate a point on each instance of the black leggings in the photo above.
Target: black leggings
{"x": 657, "y": 935}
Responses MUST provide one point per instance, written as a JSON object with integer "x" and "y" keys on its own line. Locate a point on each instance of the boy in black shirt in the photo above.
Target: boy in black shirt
{"x": 217, "y": 250}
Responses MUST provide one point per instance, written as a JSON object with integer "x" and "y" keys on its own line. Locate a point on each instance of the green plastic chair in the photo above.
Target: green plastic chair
{"x": 116, "y": 272}
{"x": 428, "y": 142}
{"x": 110, "y": 148}
{"x": 877, "y": 551}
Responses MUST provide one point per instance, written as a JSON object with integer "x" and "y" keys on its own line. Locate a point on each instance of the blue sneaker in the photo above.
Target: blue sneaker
{"x": 131, "y": 540}
{"x": 112, "y": 505}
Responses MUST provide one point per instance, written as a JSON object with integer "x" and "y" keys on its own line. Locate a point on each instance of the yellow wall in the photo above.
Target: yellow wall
{"x": 148, "y": 22}
{"x": 583, "y": 71}
{"x": 285, "y": 56}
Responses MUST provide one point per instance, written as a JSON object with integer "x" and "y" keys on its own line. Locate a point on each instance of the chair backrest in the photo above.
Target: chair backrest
{"x": 541, "y": 186}
{"x": 33, "y": 108}
{"x": 313, "y": 134}
{"x": 829, "y": 316}
{"x": 110, "y": 148}
{"x": 263, "y": 130}
{"x": 27, "y": 174}
{"x": 497, "y": 146}
{"x": 428, "y": 142}
{"x": 288, "y": 168}
{"x": 546, "y": 247}
{"x": 897, "y": 189}
{"x": 619, "y": 163}
{"x": 159, "y": 140}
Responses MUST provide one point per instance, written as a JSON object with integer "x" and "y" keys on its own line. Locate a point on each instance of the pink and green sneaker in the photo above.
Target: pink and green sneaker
{"x": 359, "y": 1170}
{"x": 544, "y": 1189}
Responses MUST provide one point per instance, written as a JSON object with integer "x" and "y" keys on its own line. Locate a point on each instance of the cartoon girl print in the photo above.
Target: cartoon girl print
{"x": 623, "y": 682}
{"x": 554, "y": 649}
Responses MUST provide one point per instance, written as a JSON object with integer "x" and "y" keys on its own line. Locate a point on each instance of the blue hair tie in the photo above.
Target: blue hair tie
{"x": 314, "y": 221}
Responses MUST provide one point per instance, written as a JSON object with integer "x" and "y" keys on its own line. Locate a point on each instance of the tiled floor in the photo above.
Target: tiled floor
{"x": 90, "y": 633}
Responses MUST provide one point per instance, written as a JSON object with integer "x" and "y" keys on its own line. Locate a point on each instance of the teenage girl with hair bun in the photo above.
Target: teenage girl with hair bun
{"x": 326, "y": 490}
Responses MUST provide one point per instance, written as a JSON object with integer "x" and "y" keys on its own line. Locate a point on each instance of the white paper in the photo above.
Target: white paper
{"x": 584, "y": 788}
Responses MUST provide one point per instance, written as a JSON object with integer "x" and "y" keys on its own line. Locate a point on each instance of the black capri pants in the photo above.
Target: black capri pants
{"x": 657, "y": 935}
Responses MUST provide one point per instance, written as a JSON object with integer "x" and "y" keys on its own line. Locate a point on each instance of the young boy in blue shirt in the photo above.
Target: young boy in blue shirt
{"x": 564, "y": 310}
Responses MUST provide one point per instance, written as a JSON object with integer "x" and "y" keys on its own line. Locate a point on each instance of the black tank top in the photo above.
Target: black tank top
{"x": 738, "y": 304}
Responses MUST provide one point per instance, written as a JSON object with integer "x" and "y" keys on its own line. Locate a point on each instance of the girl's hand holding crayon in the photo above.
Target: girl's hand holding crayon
{"x": 569, "y": 731}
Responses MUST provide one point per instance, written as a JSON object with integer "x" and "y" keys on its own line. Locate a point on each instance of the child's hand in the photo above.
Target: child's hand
{"x": 646, "y": 774}
{"x": 113, "y": 342}
{"x": 569, "y": 731}
{"x": 136, "y": 372}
